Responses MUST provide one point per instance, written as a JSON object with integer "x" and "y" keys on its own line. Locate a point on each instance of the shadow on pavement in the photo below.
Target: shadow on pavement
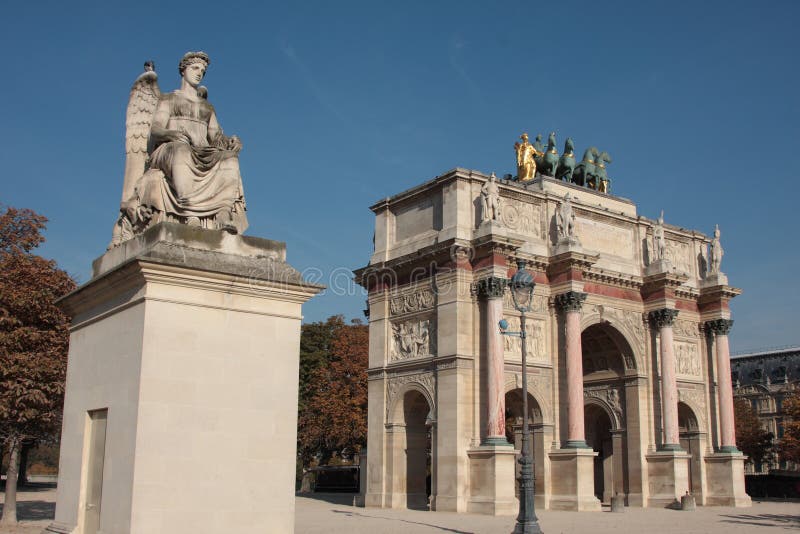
{"x": 438, "y": 527}
{"x": 764, "y": 520}
{"x": 333, "y": 498}
{"x": 34, "y": 510}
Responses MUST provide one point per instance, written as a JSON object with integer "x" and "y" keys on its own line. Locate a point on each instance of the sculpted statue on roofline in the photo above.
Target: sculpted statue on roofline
{"x": 534, "y": 159}
{"x": 179, "y": 164}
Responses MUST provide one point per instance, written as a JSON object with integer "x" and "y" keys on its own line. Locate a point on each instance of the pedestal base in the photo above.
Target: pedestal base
{"x": 725, "y": 475}
{"x": 572, "y": 482}
{"x": 668, "y": 476}
{"x": 491, "y": 470}
{"x": 181, "y": 393}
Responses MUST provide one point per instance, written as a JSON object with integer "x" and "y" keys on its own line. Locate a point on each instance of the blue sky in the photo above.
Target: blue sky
{"x": 342, "y": 103}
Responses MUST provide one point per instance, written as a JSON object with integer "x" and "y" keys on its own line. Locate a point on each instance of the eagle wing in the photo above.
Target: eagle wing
{"x": 142, "y": 104}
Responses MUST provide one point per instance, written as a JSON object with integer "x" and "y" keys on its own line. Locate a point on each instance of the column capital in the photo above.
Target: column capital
{"x": 663, "y": 317}
{"x": 719, "y": 327}
{"x": 570, "y": 301}
{"x": 491, "y": 287}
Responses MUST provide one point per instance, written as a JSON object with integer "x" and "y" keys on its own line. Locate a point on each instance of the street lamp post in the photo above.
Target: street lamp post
{"x": 522, "y": 285}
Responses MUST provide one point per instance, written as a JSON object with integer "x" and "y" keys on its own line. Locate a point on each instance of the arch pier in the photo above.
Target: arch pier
{"x": 629, "y": 387}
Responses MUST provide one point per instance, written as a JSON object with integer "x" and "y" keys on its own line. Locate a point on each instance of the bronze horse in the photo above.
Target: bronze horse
{"x": 585, "y": 171}
{"x": 566, "y": 165}
{"x": 550, "y": 157}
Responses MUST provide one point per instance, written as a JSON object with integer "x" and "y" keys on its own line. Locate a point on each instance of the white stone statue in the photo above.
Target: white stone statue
{"x": 715, "y": 253}
{"x": 490, "y": 194}
{"x": 179, "y": 165}
{"x": 565, "y": 220}
{"x": 659, "y": 243}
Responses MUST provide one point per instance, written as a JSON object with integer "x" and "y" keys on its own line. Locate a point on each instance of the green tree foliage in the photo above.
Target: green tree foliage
{"x": 751, "y": 438}
{"x": 789, "y": 447}
{"x": 33, "y": 342}
{"x": 333, "y": 416}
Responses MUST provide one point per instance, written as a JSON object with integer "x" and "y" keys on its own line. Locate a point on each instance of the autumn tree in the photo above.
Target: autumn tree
{"x": 334, "y": 417}
{"x": 790, "y": 442}
{"x": 33, "y": 342}
{"x": 751, "y": 438}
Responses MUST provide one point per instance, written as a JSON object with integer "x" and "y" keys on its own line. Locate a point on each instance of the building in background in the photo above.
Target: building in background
{"x": 765, "y": 379}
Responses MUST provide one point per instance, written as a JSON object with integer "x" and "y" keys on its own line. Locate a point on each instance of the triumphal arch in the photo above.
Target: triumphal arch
{"x": 629, "y": 386}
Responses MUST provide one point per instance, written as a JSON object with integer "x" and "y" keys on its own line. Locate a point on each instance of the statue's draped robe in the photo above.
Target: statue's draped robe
{"x": 216, "y": 195}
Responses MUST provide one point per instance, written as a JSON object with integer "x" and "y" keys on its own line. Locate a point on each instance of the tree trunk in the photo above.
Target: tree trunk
{"x": 10, "y": 504}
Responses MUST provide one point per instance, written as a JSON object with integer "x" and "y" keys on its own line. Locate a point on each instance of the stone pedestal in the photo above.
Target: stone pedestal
{"x": 668, "y": 477}
{"x": 572, "y": 480}
{"x": 184, "y": 347}
{"x": 726, "y": 480}
{"x": 491, "y": 470}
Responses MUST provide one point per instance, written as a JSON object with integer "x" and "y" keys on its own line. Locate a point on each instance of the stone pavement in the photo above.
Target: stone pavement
{"x": 332, "y": 514}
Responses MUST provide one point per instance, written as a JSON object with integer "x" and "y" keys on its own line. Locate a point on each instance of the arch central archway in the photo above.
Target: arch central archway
{"x": 610, "y": 407}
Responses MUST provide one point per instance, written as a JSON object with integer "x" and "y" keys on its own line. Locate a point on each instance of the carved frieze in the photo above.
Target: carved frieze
{"x": 687, "y": 360}
{"x": 686, "y": 329}
{"x": 522, "y": 217}
{"x": 396, "y": 383}
{"x": 535, "y": 340}
{"x": 420, "y": 300}
{"x": 415, "y": 338}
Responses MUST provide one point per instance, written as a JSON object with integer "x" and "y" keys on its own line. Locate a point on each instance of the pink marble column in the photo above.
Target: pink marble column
{"x": 571, "y": 303}
{"x": 492, "y": 289}
{"x": 663, "y": 320}
{"x": 727, "y": 428}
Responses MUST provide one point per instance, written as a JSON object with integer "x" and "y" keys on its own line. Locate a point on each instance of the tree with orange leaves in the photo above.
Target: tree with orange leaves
{"x": 789, "y": 447}
{"x": 34, "y": 339}
{"x": 334, "y": 417}
{"x": 751, "y": 438}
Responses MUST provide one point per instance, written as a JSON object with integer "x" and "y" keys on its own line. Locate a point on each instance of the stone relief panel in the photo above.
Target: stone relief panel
{"x": 522, "y": 217}
{"x": 539, "y": 303}
{"x": 396, "y": 383}
{"x": 536, "y": 340}
{"x": 609, "y": 238}
{"x": 420, "y": 300}
{"x": 680, "y": 255}
{"x": 687, "y": 360}
{"x": 611, "y": 396}
{"x": 686, "y": 329}
{"x": 414, "y": 338}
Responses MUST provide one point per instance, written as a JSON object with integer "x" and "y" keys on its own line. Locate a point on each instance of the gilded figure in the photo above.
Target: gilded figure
{"x": 526, "y": 164}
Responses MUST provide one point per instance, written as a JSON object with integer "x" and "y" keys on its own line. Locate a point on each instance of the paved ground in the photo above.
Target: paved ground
{"x": 332, "y": 514}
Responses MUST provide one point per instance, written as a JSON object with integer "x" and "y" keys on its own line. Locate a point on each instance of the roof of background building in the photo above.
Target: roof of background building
{"x": 772, "y": 366}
